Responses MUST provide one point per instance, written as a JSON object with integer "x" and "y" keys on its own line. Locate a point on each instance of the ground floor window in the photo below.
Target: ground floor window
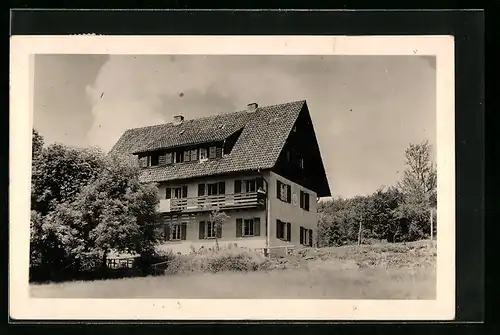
{"x": 247, "y": 227}
{"x": 306, "y": 236}
{"x": 172, "y": 232}
{"x": 283, "y": 230}
{"x": 208, "y": 230}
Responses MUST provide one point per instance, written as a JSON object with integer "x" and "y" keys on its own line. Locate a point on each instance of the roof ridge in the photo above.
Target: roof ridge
{"x": 221, "y": 114}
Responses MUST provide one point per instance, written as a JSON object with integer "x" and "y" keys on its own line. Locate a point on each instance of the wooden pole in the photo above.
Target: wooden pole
{"x": 359, "y": 233}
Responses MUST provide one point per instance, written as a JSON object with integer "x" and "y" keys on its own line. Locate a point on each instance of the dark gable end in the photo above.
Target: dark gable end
{"x": 252, "y": 140}
{"x": 300, "y": 159}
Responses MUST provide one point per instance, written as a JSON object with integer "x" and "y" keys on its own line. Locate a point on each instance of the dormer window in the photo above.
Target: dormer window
{"x": 203, "y": 153}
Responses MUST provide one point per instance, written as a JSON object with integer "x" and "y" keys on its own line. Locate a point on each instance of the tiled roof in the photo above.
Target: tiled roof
{"x": 264, "y": 134}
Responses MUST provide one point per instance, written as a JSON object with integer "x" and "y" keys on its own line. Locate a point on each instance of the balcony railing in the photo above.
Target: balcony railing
{"x": 209, "y": 203}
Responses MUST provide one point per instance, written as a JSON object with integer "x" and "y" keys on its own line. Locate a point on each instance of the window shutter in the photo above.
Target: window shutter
{"x": 237, "y": 186}
{"x": 278, "y": 189}
{"x": 307, "y": 201}
{"x": 168, "y": 158}
{"x": 187, "y": 156}
{"x": 168, "y": 193}
{"x": 256, "y": 227}
{"x": 289, "y": 194}
{"x": 218, "y": 152}
{"x": 143, "y": 161}
{"x": 301, "y": 203}
{"x": 201, "y": 190}
{"x": 161, "y": 159}
{"x": 212, "y": 152}
{"x": 301, "y": 235}
{"x": 239, "y": 227}
{"x": 183, "y": 231}
{"x": 167, "y": 231}
{"x": 288, "y": 231}
{"x": 194, "y": 155}
{"x": 278, "y": 226}
{"x": 222, "y": 187}
{"x": 202, "y": 230}
{"x": 310, "y": 237}
{"x": 184, "y": 191}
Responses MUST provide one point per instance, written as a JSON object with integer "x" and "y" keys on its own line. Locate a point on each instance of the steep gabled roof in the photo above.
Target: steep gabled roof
{"x": 264, "y": 133}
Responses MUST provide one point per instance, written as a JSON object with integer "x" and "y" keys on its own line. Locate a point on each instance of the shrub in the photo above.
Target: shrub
{"x": 229, "y": 258}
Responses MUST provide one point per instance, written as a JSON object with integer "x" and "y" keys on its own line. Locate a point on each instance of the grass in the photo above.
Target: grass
{"x": 381, "y": 271}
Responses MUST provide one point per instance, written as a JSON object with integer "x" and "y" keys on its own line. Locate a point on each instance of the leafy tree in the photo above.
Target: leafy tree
{"x": 217, "y": 220}
{"x": 420, "y": 176}
{"x": 116, "y": 212}
{"x": 419, "y": 187}
{"x": 37, "y": 144}
{"x": 60, "y": 172}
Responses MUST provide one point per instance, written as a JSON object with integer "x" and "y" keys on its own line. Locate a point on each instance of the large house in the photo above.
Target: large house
{"x": 262, "y": 166}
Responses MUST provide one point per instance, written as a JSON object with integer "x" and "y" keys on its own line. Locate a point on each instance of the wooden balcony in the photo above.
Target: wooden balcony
{"x": 209, "y": 203}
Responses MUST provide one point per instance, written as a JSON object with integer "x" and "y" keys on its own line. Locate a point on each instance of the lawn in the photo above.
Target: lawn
{"x": 382, "y": 271}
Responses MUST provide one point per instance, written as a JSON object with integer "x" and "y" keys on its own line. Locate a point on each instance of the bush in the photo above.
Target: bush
{"x": 230, "y": 258}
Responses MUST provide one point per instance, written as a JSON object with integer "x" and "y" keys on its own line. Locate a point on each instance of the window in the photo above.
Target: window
{"x": 203, "y": 153}
{"x": 187, "y": 155}
{"x": 179, "y": 157}
{"x": 216, "y": 188}
{"x": 303, "y": 236}
{"x": 283, "y": 230}
{"x": 247, "y": 227}
{"x": 212, "y": 152}
{"x": 304, "y": 200}
{"x": 174, "y": 232}
{"x": 194, "y": 155}
{"x": 208, "y": 231}
{"x": 176, "y": 192}
{"x": 283, "y": 192}
{"x": 152, "y": 160}
{"x": 250, "y": 185}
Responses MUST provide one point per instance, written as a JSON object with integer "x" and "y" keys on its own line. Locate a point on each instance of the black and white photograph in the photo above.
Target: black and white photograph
{"x": 247, "y": 177}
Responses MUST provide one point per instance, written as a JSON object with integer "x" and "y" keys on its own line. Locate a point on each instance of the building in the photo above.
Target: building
{"x": 262, "y": 166}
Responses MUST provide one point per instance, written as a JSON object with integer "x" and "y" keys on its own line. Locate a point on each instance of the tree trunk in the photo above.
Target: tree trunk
{"x": 359, "y": 232}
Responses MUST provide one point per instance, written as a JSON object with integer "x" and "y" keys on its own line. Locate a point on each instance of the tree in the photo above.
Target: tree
{"x": 420, "y": 176}
{"x": 117, "y": 212}
{"x": 60, "y": 172}
{"x": 37, "y": 144}
{"x": 419, "y": 188}
{"x": 217, "y": 220}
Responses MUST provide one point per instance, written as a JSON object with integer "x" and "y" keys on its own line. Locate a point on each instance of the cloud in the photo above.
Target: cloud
{"x": 134, "y": 91}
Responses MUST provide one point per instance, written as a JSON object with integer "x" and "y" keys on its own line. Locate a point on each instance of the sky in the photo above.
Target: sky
{"x": 366, "y": 110}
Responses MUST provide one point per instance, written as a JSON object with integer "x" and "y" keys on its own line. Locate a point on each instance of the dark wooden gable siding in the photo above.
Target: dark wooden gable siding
{"x": 302, "y": 144}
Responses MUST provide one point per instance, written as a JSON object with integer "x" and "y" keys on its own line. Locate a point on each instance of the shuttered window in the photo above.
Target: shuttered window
{"x": 168, "y": 193}
{"x": 169, "y": 158}
{"x": 203, "y": 153}
{"x": 212, "y": 152}
{"x": 218, "y": 152}
{"x": 304, "y": 200}
{"x": 187, "y": 156}
{"x": 281, "y": 230}
{"x": 194, "y": 155}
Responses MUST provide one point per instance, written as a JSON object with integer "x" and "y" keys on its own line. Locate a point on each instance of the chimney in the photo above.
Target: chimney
{"x": 178, "y": 119}
{"x": 253, "y": 106}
